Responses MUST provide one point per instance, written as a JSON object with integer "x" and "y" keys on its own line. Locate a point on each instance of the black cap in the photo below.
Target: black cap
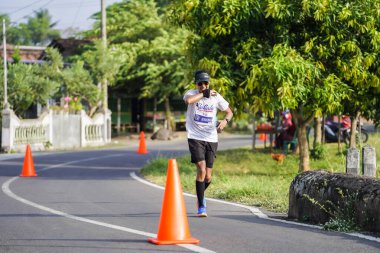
{"x": 202, "y": 76}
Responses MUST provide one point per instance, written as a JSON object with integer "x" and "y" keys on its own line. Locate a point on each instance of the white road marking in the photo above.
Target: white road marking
{"x": 255, "y": 211}
{"x": 6, "y": 189}
{"x": 194, "y": 248}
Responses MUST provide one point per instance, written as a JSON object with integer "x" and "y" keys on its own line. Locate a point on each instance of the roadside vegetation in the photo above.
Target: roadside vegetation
{"x": 252, "y": 178}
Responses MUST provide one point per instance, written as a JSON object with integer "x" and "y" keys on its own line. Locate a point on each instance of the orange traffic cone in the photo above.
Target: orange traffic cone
{"x": 263, "y": 137}
{"x": 28, "y": 167}
{"x": 142, "y": 147}
{"x": 173, "y": 227}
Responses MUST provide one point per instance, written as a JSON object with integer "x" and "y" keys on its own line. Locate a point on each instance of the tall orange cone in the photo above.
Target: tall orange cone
{"x": 142, "y": 146}
{"x": 173, "y": 227}
{"x": 28, "y": 167}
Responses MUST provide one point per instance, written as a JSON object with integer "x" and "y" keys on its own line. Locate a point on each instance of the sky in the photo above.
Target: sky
{"x": 68, "y": 13}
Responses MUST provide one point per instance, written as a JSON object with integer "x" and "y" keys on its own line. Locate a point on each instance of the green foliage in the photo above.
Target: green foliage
{"x": 16, "y": 57}
{"x": 240, "y": 34}
{"x": 239, "y": 175}
{"x": 75, "y": 104}
{"x": 342, "y": 224}
{"x": 319, "y": 152}
{"x": 38, "y": 30}
{"x": 129, "y": 21}
{"x": 103, "y": 62}
{"x": 308, "y": 56}
{"x": 29, "y": 84}
{"x": 20, "y": 93}
{"x": 342, "y": 214}
{"x": 78, "y": 83}
{"x": 164, "y": 65}
{"x": 252, "y": 178}
{"x": 154, "y": 61}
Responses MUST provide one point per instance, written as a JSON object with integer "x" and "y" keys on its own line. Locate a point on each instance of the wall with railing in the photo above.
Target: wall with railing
{"x": 55, "y": 130}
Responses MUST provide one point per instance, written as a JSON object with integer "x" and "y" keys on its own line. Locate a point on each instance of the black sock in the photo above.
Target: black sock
{"x": 207, "y": 184}
{"x": 200, "y": 188}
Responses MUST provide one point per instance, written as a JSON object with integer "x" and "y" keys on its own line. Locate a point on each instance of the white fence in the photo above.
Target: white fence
{"x": 55, "y": 130}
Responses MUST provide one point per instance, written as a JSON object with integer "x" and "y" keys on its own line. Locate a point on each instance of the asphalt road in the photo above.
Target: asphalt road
{"x": 87, "y": 201}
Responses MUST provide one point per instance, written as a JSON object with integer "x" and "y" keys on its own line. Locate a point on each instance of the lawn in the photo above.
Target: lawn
{"x": 252, "y": 178}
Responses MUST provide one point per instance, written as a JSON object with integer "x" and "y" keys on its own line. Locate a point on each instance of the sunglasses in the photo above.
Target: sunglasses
{"x": 201, "y": 83}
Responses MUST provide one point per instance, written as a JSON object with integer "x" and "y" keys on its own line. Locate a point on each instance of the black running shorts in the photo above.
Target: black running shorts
{"x": 203, "y": 151}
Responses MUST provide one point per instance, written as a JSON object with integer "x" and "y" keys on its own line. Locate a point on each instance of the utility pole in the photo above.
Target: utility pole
{"x": 107, "y": 120}
{"x": 104, "y": 41}
{"x": 5, "y": 68}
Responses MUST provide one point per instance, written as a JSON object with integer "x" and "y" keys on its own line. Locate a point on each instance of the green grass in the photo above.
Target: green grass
{"x": 252, "y": 178}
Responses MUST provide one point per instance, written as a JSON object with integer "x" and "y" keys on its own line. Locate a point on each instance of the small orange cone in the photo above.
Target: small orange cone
{"x": 263, "y": 137}
{"x": 142, "y": 147}
{"x": 28, "y": 167}
{"x": 173, "y": 227}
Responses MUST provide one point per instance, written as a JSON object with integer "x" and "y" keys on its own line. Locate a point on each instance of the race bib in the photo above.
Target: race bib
{"x": 204, "y": 114}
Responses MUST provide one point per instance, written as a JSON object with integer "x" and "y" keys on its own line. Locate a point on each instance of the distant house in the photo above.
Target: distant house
{"x": 68, "y": 47}
{"x": 36, "y": 54}
{"x": 28, "y": 54}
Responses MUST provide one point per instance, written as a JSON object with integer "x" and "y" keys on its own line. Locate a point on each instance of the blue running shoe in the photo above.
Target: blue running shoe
{"x": 204, "y": 203}
{"x": 201, "y": 211}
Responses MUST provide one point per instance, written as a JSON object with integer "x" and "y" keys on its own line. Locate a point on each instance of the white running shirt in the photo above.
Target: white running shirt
{"x": 201, "y": 116}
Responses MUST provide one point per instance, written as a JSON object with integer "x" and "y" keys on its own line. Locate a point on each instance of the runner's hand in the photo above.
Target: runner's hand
{"x": 221, "y": 125}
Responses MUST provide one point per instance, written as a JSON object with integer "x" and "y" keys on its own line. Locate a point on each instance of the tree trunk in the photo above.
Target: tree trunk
{"x": 92, "y": 111}
{"x": 154, "y": 121}
{"x": 304, "y": 163}
{"x": 339, "y": 134}
{"x": 105, "y": 95}
{"x": 354, "y": 123}
{"x": 317, "y": 132}
{"x": 168, "y": 115}
{"x": 323, "y": 138}
{"x": 302, "y": 122}
{"x": 253, "y": 133}
{"x": 99, "y": 104}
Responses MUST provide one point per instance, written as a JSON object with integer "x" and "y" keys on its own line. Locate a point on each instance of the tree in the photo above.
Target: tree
{"x": 78, "y": 83}
{"x": 295, "y": 83}
{"x": 32, "y": 84}
{"x": 275, "y": 54}
{"x": 38, "y": 30}
{"x": 154, "y": 63}
{"x": 348, "y": 45}
{"x": 164, "y": 68}
{"x": 103, "y": 64}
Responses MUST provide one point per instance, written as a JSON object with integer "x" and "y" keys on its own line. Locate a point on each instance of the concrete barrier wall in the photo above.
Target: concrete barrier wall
{"x": 326, "y": 189}
{"x": 54, "y": 130}
{"x": 66, "y": 129}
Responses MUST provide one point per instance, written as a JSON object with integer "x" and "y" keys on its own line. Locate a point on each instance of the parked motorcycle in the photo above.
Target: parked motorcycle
{"x": 363, "y": 135}
{"x": 332, "y": 133}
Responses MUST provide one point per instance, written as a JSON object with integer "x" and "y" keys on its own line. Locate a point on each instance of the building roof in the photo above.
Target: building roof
{"x": 27, "y": 53}
{"x": 36, "y": 54}
{"x": 68, "y": 47}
